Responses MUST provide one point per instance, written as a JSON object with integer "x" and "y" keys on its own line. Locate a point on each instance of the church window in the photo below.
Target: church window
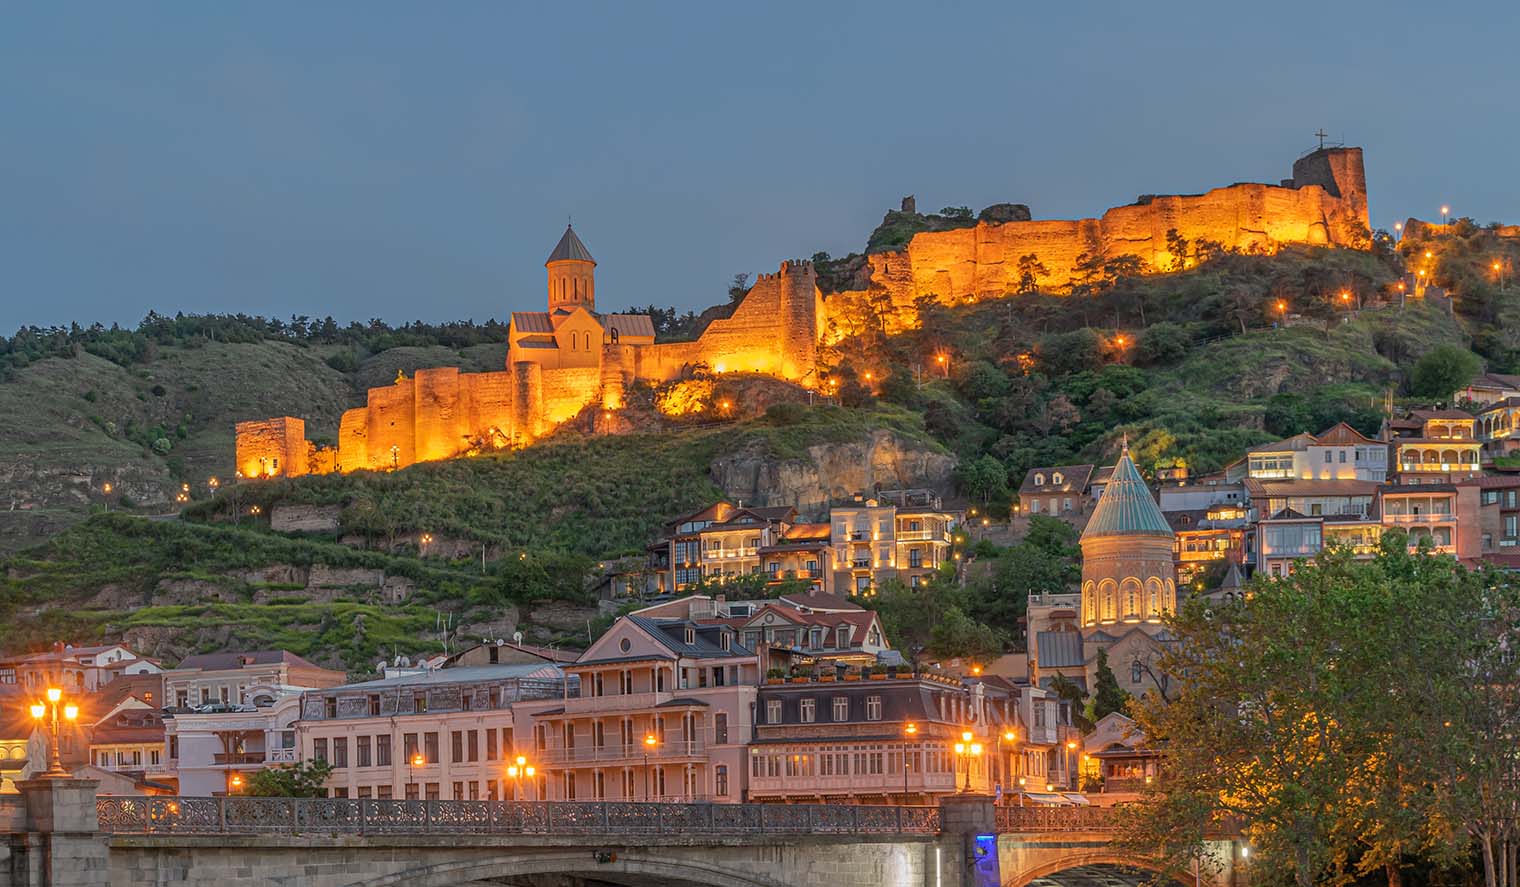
{"x": 1131, "y": 598}
{"x": 1135, "y": 672}
{"x": 614, "y": 333}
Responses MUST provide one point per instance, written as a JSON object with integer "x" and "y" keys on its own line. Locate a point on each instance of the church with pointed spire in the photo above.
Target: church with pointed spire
{"x": 1129, "y": 581}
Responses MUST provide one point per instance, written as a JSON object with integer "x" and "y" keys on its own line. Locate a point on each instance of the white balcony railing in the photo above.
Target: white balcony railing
{"x": 625, "y": 702}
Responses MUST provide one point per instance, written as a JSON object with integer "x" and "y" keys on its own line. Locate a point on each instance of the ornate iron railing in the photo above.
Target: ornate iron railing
{"x": 374, "y": 816}
{"x": 1056, "y": 819}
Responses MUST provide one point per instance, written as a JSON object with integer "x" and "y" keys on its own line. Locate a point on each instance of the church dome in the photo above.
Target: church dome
{"x": 1126, "y": 507}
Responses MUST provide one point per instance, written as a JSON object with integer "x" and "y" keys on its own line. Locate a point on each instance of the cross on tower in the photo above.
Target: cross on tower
{"x": 1321, "y": 134}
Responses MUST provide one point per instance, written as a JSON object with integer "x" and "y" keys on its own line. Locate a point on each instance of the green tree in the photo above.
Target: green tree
{"x": 1031, "y": 269}
{"x": 1442, "y": 370}
{"x": 957, "y": 635}
{"x": 984, "y": 478}
{"x": 304, "y": 779}
{"x": 1163, "y": 343}
{"x": 1107, "y": 697}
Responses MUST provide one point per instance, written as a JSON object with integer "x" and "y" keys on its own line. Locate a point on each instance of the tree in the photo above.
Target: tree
{"x": 1031, "y": 270}
{"x": 738, "y": 289}
{"x": 1107, "y": 697}
{"x": 958, "y": 213}
{"x": 1442, "y": 371}
{"x": 1162, "y": 344}
{"x": 304, "y": 779}
{"x": 983, "y": 478}
{"x": 1177, "y": 247}
{"x": 957, "y": 635}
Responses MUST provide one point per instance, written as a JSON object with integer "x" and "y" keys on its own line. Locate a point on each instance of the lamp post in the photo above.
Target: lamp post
{"x": 909, "y": 731}
{"x": 1007, "y": 736}
{"x": 412, "y": 763}
{"x": 516, "y": 771}
{"x": 1071, "y": 746}
{"x": 1445, "y": 211}
{"x": 235, "y": 784}
{"x": 650, "y": 743}
{"x": 40, "y": 712}
{"x": 968, "y": 751}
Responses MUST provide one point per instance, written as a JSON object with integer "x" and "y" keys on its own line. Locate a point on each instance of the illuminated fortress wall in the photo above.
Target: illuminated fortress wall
{"x": 1324, "y": 203}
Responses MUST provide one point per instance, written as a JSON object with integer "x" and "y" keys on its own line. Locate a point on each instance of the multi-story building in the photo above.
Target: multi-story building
{"x": 663, "y": 711}
{"x": 1498, "y": 513}
{"x": 1340, "y": 453}
{"x": 129, "y": 739}
{"x": 796, "y": 632}
{"x": 885, "y": 739}
{"x": 906, "y": 534}
{"x": 231, "y": 714}
{"x": 800, "y": 554}
{"x": 74, "y": 669}
{"x": 254, "y": 678}
{"x": 1436, "y": 446}
{"x": 449, "y": 733}
{"x": 1498, "y": 427}
{"x": 720, "y": 541}
{"x": 1204, "y": 537}
{"x": 1488, "y": 388}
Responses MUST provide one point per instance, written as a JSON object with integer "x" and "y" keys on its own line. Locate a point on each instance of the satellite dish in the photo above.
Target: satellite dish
{"x": 517, "y": 637}
{"x": 499, "y": 642}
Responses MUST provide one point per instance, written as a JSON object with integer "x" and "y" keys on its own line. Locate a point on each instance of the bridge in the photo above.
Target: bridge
{"x": 61, "y": 834}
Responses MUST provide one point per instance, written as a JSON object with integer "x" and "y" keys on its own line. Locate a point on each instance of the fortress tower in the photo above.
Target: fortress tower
{"x": 572, "y": 274}
{"x": 1340, "y": 172}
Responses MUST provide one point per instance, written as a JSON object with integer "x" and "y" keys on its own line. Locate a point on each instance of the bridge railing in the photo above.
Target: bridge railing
{"x": 1057, "y": 819}
{"x": 376, "y": 816}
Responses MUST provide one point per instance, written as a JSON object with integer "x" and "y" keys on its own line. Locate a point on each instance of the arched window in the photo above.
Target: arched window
{"x": 1039, "y": 480}
{"x": 1089, "y": 604}
{"x": 1131, "y": 596}
{"x": 1135, "y": 672}
{"x": 1057, "y": 478}
{"x": 1153, "y": 592}
{"x": 1107, "y": 593}
{"x": 613, "y": 333}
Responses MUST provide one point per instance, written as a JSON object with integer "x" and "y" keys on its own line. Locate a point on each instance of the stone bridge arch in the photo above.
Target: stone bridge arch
{"x": 1084, "y": 870}
{"x": 635, "y": 868}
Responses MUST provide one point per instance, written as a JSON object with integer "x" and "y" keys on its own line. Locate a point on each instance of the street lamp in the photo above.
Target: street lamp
{"x": 40, "y": 712}
{"x": 1007, "y": 736}
{"x": 1071, "y": 746}
{"x": 412, "y": 763}
{"x": 910, "y": 731}
{"x": 516, "y": 771}
{"x": 1445, "y": 210}
{"x": 236, "y": 782}
{"x": 968, "y": 751}
{"x": 650, "y": 743}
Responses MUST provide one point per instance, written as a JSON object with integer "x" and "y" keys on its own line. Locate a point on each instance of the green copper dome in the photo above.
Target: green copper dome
{"x": 1126, "y": 507}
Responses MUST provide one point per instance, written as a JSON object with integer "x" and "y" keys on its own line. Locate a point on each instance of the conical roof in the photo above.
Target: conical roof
{"x": 1126, "y": 507}
{"x": 570, "y": 249}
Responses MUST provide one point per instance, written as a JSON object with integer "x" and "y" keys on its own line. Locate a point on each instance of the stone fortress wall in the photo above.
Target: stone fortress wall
{"x": 1325, "y": 202}
{"x": 776, "y": 328}
{"x": 441, "y": 413}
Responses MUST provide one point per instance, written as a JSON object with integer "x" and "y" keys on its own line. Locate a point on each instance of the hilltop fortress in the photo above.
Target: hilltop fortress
{"x": 568, "y": 358}
{"x": 1325, "y": 202}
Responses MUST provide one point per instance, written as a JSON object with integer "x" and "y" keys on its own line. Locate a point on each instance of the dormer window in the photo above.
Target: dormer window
{"x": 726, "y": 641}
{"x": 1057, "y": 478}
{"x": 1039, "y": 480}
{"x": 691, "y": 635}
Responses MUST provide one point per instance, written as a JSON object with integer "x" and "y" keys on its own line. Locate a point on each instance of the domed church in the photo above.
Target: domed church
{"x": 1128, "y": 580}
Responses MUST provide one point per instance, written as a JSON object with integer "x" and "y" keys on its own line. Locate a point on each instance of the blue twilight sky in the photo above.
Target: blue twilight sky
{"x": 419, "y": 160}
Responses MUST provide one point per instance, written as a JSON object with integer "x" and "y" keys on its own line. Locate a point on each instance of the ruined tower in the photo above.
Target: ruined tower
{"x": 1340, "y": 172}
{"x": 801, "y": 318}
{"x": 572, "y": 274}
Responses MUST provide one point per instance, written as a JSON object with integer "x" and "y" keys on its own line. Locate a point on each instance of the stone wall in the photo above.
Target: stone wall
{"x": 1324, "y": 203}
{"x": 270, "y": 447}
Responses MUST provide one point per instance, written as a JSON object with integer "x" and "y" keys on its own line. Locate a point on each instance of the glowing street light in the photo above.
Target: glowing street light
{"x": 1445, "y": 210}
{"x": 910, "y": 730}
{"x": 236, "y": 782}
{"x": 651, "y": 742}
{"x": 518, "y": 770}
{"x": 70, "y": 713}
{"x": 1282, "y": 307}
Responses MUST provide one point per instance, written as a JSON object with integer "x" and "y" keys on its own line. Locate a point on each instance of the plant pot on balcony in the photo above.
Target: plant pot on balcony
{"x": 827, "y": 679}
{"x": 801, "y": 680}
{"x": 879, "y": 676}
{"x": 852, "y": 677}
{"x": 775, "y": 680}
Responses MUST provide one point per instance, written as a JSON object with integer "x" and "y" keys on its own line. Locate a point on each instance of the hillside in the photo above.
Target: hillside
{"x": 1193, "y": 366}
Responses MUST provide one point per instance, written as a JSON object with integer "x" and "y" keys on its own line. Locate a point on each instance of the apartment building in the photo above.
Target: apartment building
{"x": 1339, "y": 453}
{"x": 449, "y": 733}
{"x": 663, "y": 712}
{"x": 1498, "y": 427}
{"x": 75, "y": 669}
{"x": 1436, "y": 446}
{"x": 802, "y": 553}
{"x": 1062, "y": 491}
{"x": 1445, "y": 515}
{"x": 907, "y": 534}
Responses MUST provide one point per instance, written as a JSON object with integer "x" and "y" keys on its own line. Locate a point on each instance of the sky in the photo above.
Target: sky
{"x": 418, "y": 161}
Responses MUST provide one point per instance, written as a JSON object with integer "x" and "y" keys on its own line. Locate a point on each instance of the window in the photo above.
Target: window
{"x": 726, "y": 641}
{"x": 340, "y": 752}
{"x": 382, "y": 751}
{"x": 773, "y": 711}
{"x": 915, "y": 558}
{"x": 430, "y": 748}
{"x": 873, "y": 708}
{"x": 720, "y": 780}
{"x": 374, "y": 705}
{"x": 419, "y": 703}
{"x": 459, "y": 791}
{"x": 431, "y": 790}
{"x": 841, "y": 708}
{"x": 383, "y": 792}
{"x": 319, "y": 749}
{"x": 720, "y": 728}
{"x": 491, "y": 746}
{"x": 1134, "y": 672}
{"x": 691, "y": 635}
{"x": 329, "y": 707}
{"x": 805, "y": 709}
{"x": 361, "y": 751}
{"x": 456, "y": 746}
{"x": 472, "y": 746}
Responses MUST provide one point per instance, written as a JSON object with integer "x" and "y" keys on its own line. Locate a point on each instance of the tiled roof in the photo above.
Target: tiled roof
{"x": 570, "y": 249}
{"x": 1343, "y": 435}
{"x": 532, "y": 322}
{"x": 1279, "y": 488}
{"x": 672, "y": 634}
{"x": 818, "y": 600}
{"x": 1074, "y": 479}
{"x": 1297, "y": 442}
{"x": 1440, "y": 414}
{"x": 629, "y": 324}
{"x": 1126, "y": 507}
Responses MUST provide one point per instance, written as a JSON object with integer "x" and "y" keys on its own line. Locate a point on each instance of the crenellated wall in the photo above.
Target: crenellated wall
{"x": 1324, "y": 203}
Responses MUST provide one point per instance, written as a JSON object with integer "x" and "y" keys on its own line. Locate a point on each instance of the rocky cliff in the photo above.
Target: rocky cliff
{"x": 830, "y": 472}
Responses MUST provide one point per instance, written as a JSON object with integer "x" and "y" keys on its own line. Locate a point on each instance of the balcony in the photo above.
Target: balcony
{"x": 923, "y": 536}
{"x": 283, "y": 756}
{"x": 1408, "y": 519}
{"x": 888, "y": 784}
{"x": 624, "y": 702}
{"x": 558, "y": 756}
{"x": 239, "y": 759}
